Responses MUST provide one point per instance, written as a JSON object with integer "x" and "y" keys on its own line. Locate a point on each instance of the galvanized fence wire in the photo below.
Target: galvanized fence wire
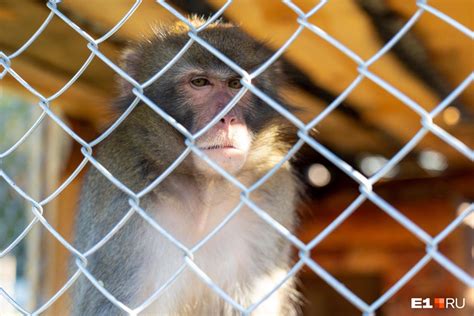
{"x": 304, "y": 255}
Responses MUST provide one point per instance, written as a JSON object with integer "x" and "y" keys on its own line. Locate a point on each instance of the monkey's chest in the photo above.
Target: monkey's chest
{"x": 213, "y": 229}
{"x": 231, "y": 247}
{"x": 222, "y": 240}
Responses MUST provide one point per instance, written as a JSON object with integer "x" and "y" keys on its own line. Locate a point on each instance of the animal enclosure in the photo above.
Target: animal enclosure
{"x": 384, "y": 120}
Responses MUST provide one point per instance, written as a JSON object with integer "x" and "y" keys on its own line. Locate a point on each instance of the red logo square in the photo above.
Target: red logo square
{"x": 439, "y": 302}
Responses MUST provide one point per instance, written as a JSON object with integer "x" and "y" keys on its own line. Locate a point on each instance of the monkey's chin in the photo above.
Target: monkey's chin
{"x": 230, "y": 159}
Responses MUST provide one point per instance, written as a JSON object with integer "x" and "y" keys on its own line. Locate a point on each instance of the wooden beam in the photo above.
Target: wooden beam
{"x": 453, "y": 54}
{"x": 430, "y": 203}
{"x": 81, "y": 101}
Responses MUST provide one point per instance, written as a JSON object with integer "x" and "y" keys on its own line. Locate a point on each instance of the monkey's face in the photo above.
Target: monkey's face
{"x": 197, "y": 88}
{"x": 228, "y": 142}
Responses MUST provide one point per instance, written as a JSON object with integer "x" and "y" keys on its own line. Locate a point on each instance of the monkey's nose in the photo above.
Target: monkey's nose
{"x": 228, "y": 119}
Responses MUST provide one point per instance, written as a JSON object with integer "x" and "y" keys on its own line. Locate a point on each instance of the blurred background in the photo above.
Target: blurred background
{"x": 370, "y": 251}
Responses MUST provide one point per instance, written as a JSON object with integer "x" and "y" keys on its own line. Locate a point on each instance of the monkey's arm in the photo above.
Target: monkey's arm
{"x": 102, "y": 207}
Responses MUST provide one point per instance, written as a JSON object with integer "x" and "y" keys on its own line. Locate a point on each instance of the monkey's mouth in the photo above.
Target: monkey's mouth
{"x": 226, "y": 151}
{"x": 214, "y": 147}
{"x": 228, "y": 155}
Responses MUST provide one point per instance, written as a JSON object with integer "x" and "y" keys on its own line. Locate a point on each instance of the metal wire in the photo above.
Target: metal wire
{"x": 366, "y": 183}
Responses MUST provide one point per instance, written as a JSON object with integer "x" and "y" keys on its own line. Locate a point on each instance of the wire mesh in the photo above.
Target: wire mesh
{"x": 365, "y": 183}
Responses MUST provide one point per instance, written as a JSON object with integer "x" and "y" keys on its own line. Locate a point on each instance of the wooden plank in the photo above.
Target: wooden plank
{"x": 81, "y": 101}
{"x": 59, "y": 52}
{"x": 343, "y": 134}
{"x": 431, "y": 203}
{"x": 453, "y": 55}
{"x": 371, "y": 227}
{"x": 139, "y": 25}
{"x": 59, "y": 49}
{"x": 57, "y": 273}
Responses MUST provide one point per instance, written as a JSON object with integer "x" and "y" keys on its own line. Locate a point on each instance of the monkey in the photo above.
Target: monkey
{"x": 247, "y": 257}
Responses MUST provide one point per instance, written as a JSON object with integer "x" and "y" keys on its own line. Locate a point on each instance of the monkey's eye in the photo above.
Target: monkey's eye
{"x": 235, "y": 84}
{"x": 200, "y": 82}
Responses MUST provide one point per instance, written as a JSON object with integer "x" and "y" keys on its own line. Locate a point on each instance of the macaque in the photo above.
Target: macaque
{"x": 247, "y": 258}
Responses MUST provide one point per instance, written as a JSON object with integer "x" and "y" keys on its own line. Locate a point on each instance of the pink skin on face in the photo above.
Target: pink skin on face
{"x": 227, "y": 143}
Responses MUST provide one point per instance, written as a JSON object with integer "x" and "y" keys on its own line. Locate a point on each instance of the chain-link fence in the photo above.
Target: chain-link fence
{"x": 366, "y": 184}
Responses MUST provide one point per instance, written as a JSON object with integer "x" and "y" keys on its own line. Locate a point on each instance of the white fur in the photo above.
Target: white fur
{"x": 235, "y": 258}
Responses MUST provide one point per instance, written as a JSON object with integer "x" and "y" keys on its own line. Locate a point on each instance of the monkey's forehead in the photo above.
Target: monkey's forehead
{"x": 228, "y": 39}
{"x": 199, "y": 58}
{"x": 219, "y": 71}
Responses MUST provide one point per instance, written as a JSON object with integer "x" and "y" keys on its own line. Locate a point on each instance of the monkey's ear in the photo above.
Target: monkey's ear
{"x": 129, "y": 62}
{"x": 279, "y": 68}
{"x": 279, "y": 73}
